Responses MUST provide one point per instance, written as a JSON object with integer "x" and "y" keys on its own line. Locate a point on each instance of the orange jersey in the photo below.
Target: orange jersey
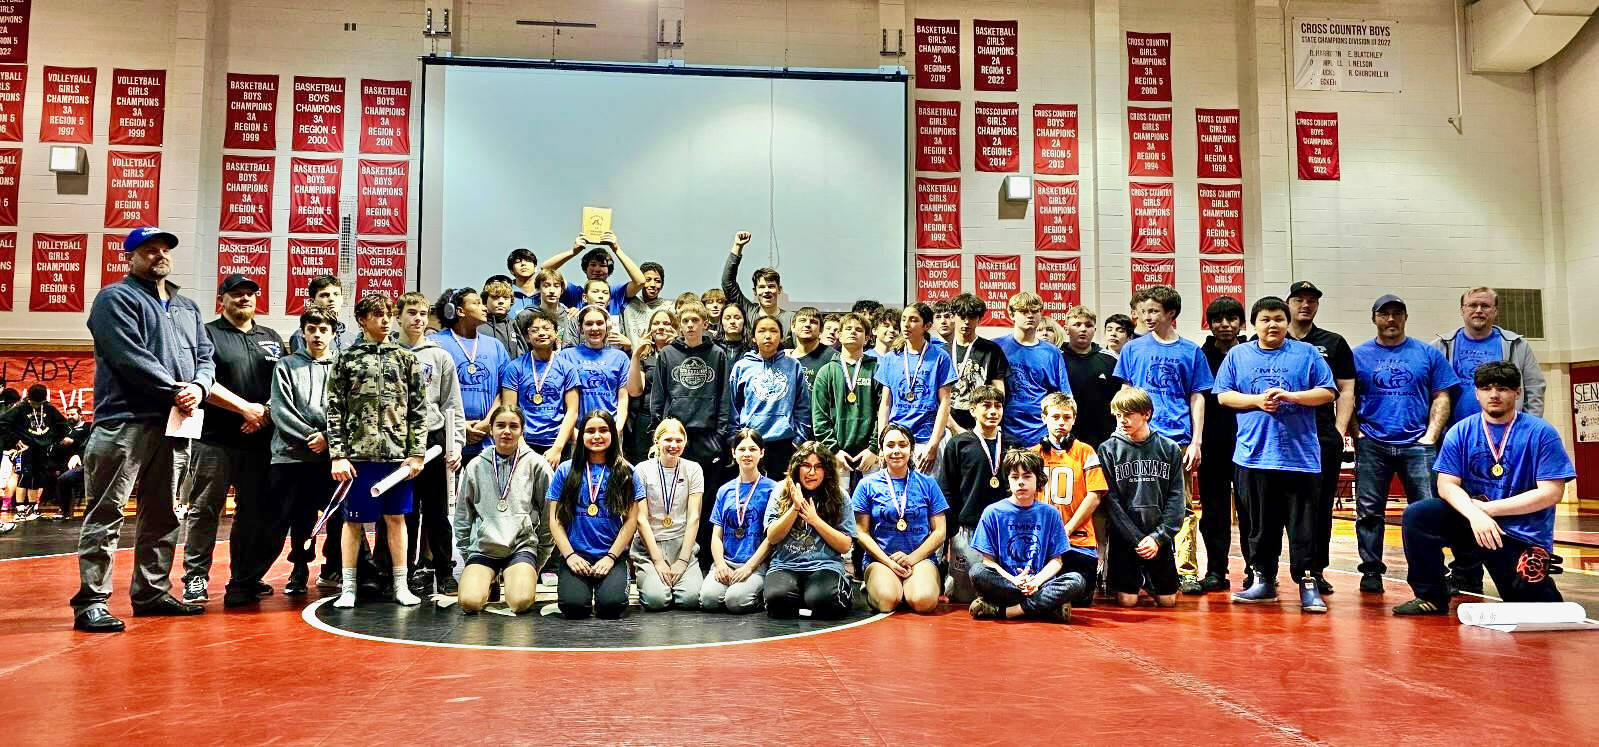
{"x": 1073, "y": 473}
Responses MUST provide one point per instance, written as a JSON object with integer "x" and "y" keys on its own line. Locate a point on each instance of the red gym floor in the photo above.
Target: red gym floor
{"x": 1208, "y": 672}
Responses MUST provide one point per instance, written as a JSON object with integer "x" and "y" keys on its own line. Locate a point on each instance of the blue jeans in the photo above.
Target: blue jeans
{"x": 1376, "y": 464}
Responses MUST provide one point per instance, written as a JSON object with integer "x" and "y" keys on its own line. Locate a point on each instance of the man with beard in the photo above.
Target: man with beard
{"x": 151, "y": 355}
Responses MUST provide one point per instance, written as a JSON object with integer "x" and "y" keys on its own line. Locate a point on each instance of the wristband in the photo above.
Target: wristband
{"x": 612, "y": 556}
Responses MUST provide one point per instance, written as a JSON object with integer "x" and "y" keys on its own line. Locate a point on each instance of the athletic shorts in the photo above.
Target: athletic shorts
{"x": 500, "y": 564}
{"x": 361, "y": 507}
{"x": 1126, "y": 573}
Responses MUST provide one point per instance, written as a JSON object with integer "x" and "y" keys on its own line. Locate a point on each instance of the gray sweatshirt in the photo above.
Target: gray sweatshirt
{"x": 299, "y": 406}
{"x": 443, "y": 391}
{"x": 481, "y": 527}
{"x": 1146, "y": 487}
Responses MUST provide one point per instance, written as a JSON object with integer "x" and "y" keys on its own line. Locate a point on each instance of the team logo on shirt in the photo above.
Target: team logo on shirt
{"x": 1165, "y": 376}
{"x": 692, "y": 373}
{"x": 471, "y": 374}
{"x": 1392, "y": 376}
{"x": 1023, "y": 544}
{"x": 272, "y": 349}
{"x": 770, "y": 385}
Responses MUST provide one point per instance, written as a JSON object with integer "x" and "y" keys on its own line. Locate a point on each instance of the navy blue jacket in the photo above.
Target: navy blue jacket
{"x": 144, "y": 353}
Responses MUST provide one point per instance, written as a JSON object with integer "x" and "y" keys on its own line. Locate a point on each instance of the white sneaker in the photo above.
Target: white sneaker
{"x": 345, "y": 600}
{"x": 196, "y": 590}
{"x": 7, "y": 526}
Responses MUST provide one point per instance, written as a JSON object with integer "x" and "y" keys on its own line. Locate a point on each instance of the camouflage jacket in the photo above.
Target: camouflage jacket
{"x": 376, "y": 404}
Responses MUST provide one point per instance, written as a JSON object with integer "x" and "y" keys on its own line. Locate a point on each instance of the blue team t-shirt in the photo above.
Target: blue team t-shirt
{"x": 1394, "y": 387}
{"x": 591, "y": 536}
{"x": 1533, "y": 452}
{"x": 541, "y": 420}
{"x": 804, "y": 550}
{"x": 736, "y": 549}
{"x": 1286, "y": 439}
{"x": 597, "y": 373}
{"x": 573, "y": 297}
{"x": 1169, "y": 372}
{"x": 1023, "y": 540}
{"x": 920, "y": 375}
{"x": 1469, "y": 354}
{"x": 1035, "y": 371}
{"x": 479, "y": 374}
{"x": 925, "y": 499}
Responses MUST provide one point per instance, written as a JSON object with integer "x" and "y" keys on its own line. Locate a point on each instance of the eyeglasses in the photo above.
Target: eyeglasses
{"x": 1478, "y": 306}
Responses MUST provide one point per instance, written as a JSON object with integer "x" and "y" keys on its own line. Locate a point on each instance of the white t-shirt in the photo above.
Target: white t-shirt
{"x": 687, "y": 479}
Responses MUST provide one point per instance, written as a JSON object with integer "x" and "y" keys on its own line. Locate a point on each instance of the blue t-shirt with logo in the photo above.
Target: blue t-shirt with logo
{"x": 479, "y": 374}
{"x": 875, "y": 497}
{"x": 736, "y": 549}
{"x": 541, "y": 420}
{"x": 1285, "y": 439}
{"x": 1170, "y": 372}
{"x": 597, "y": 373}
{"x": 1469, "y": 354}
{"x": 1532, "y": 452}
{"x": 920, "y": 375}
{"x": 1394, "y": 387}
{"x": 591, "y": 536}
{"x": 1035, "y": 371}
{"x": 1022, "y": 540}
{"x": 804, "y": 550}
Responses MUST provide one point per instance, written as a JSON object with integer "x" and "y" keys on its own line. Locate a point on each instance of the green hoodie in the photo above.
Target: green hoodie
{"x": 842, "y": 425}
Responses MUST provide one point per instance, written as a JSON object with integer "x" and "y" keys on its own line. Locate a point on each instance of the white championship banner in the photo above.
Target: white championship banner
{"x": 1332, "y": 54}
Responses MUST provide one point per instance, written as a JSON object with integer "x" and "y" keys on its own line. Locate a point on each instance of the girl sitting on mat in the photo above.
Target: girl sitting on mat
{"x": 664, "y": 551}
{"x": 810, "y": 531}
{"x": 738, "y": 546}
{"x": 899, "y": 515}
{"x": 497, "y": 516}
{"x": 593, "y": 515}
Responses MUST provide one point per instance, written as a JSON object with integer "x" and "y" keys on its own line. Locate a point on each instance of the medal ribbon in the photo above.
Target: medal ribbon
{"x": 510, "y": 474}
{"x": 593, "y": 486}
{"x": 900, "y": 500}
{"x": 743, "y": 502}
{"x": 538, "y": 378}
{"x": 470, "y": 357}
{"x": 668, "y": 489}
{"x": 993, "y": 459}
{"x": 849, "y": 376}
{"x": 913, "y": 375}
{"x": 1498, "y": 450}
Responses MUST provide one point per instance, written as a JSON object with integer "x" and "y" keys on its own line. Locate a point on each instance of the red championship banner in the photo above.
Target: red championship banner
{"x": 386, "y": 117}
{"x": 380, "y": 197}
{"x": 1219, "y": 157}
{"x": 999, "y": 136}
{"x": 938, "y": 213}
{"x": 138, "y": 106}
{"x": 1153, "y": 226}
{"x": 997, "y": 277}
{"x": 252, "y": 118}
{"x": 247, "y": 257}
{"x": 309, "y": 258}
{"x": 994, "y": 59}
{"x": 8, "y": 268}
{"x": 938, "y": 53}
{"x": 58, "y": 271}
{"x": 247, "y": 194}
{"x": 938, "y": 277}
{"x": 113, "y": 261}
{"x": 132, "y": 189}
{"x": 318, "y": 114}
{"x": 1152, "y": 271}
{"x": 10, "y": 179}
{"x": 938, "y": 136}
{"x": 14, "y": 17}
{"x": 13, "y": 84}
{"x": 379, "y": 268}
{"x": 1221, "y": 218}
{"x": 314, "y": 194}
{"x": 1217, "y": 278}
{"x": 1317, "y": 133}
{"x": 1148, "y": 67}
{"x": 67, "y": 375}
{"x": 1055, "y": 217}
{"x": 1059, "y": 283}
{"x": 68, "y": 112}
{"x": 1149, "y": 141}
{"x": 1055, "y": 139}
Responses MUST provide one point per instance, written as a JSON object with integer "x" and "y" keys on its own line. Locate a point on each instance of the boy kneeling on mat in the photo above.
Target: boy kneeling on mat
{"x": 376, "y": 423}
{"x": 1144, "y": 475}
{"x": 1022, "y": 534}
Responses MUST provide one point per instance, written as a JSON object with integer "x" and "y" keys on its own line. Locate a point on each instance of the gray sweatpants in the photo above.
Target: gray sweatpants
{"x": 653, "y": 593}
{"x": 118, "y": 457}
{"x": 740, "y": 598}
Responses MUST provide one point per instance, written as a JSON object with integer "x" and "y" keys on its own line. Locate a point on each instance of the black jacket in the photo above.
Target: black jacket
{"x": 1093, "y": 379}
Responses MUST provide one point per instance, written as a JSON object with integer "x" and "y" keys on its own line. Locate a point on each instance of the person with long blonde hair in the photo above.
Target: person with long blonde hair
{"x": 669, "y": 522}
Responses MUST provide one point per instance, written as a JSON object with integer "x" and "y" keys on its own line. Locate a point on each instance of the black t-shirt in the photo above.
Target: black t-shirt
{"x": 1221, "y": 421}
{"x": 975, "y": 365}
{"x": 1093, "y": 379}
{"x": 1341, "y": 360}
{"x": 244, "y": 362}
{"x": 965, "y": 473}
{"x": 814, "y": 362}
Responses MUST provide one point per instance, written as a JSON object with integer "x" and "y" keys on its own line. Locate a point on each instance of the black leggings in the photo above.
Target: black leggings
{"x": 824, "y": 593}
{"x": 580, "y": 596}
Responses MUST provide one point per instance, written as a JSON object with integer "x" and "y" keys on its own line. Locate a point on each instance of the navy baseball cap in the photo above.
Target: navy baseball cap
{"x": 140, "y": 235}
{"x": 1303, "y": 287}
{"x": 235, "y": 281}
{"x": 1386, "y": 299}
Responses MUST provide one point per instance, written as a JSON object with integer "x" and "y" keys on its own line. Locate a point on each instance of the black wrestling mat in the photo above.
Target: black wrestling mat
{"x": 543, "y": 628}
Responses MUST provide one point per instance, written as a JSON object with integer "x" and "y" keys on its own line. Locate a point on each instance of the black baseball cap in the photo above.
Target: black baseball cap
{"x": 1303, "y": 287}
{"x": 236, "y": 281}
{"x": 1386, "y": 299}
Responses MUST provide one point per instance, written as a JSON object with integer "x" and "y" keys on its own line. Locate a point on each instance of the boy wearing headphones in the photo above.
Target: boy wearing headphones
{"x": 478, "y": 360}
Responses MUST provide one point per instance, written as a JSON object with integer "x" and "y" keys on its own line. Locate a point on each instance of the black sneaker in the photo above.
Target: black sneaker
{"x": 240, "y": 598}
{"x": 328, "y": 579}
{"x": 448, "y": 586}
{"x": 1322, "y": 585}
{"x": 1421, "y": 607}
{"x": 1371, "y": 583}
{"x": 1214, "y": 582}
{"x": 1458, "y": 585}
{"x": 1249, "y": 579}
{"x": 1062, "y": 614}
{"x": 262, "y": 589}
{"x": 421, "y": 582}
{"x": 98, "y": 620}
{"x": 1190, "y": 586}
{"x": 167, "y": 606}
{"x": 297, "y": 580}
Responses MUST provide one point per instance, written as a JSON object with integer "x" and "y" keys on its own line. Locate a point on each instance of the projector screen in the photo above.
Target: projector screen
{"x": 814, "y": 167}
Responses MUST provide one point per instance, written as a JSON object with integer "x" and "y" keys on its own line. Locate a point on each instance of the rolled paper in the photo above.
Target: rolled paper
{"x": 401, "y": 472}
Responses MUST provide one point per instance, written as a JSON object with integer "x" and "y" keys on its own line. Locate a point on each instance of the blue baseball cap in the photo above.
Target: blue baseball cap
{"x": 140, "y": 235}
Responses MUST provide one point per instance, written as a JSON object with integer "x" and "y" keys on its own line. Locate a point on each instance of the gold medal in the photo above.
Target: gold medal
{"x": 1497, "y": 450}
{"x": 850, "y": 398}
{"x": 993, "y": 482}
{"x": 1498, "y": 470}
{"x": 666, "y": 521}
{"x": 594, "y": 509}
{"x": 538, "y": 398}
{"x": 739, "y": 533}
{"x": 901, "y": 525}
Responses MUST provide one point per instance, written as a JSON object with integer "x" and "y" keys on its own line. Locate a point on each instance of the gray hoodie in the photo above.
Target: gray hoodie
{"x": 299, "y": 406}
{"x": 1516, "y": 350}
{"x": 481, "y": 527}
{"x": 1146, "y": 486}
{"x": 443, "y": 391}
